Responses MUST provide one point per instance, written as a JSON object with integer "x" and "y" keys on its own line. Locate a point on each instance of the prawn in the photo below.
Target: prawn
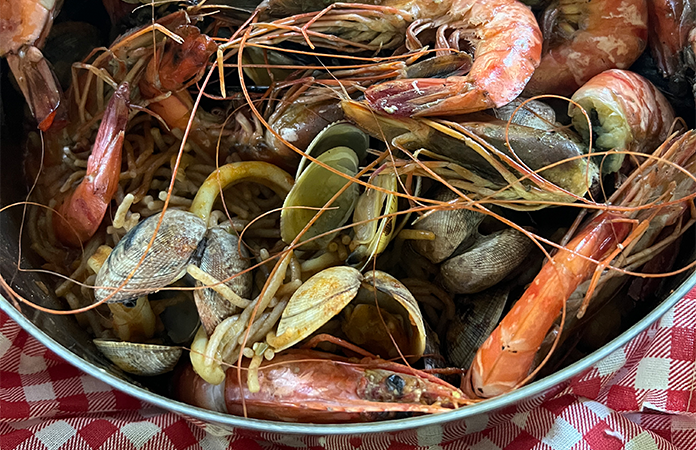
{"x": 317, "y": 387}
{"x": 582, "y": 39}
{"x": 503, "y": 35}
{"x": 81, "y": 213}
{"x": 671, "y": 21}
{"x": 504, "y": 360}
{"x": 24, "y": 26}
{"x": 169, "y": 71}
{"x": 506, "y": 42}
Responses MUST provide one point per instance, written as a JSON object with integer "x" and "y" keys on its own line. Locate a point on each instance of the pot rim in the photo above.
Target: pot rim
{"x": 483, "y": 407}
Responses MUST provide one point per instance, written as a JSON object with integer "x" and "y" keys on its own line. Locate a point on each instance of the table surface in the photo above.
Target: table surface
{"x": 640, "y": 397}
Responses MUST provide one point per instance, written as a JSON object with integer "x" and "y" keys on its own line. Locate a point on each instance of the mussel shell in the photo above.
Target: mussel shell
{"x": 222, "y": 258}
{"x": 314, "y": 188}
{"x": 140, "y": 359}
{"x": 451, "y": 227}
{"x": 538, "y": 149}
{"x": 475, "y": 319}
{"x": 176, "y": 242}
{"x": 486, "y": 263}
{"x": 533, "y": 114}
{"x": 318, "y": 300}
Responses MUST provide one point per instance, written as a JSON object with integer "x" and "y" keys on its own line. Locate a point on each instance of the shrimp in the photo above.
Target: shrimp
{"x": 626, "y": 112}
{"x": 317, "y": 387}
{"x": 503, "y": 35}
{"x": 504, "y": 361}
{"x": 506, "y": 42}
{"x": 81, "y": 213}
{"x": 582, "y": 39}
{"x": 670, "y": 24}
{"x": 24, "y": 24}
{"x": 169, "y": 71}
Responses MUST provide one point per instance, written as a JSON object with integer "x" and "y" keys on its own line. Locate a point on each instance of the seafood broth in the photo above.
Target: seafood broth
{"x": 219, "y": 259}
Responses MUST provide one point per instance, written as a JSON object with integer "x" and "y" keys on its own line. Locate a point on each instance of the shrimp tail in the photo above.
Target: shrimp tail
{"x": 505, "y": 358}
{"x": 82, "y": 211}
{"x": 626, "y": 111}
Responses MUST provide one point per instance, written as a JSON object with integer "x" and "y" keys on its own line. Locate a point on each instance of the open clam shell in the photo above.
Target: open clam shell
{"x": 329, "y": 292}
{"x": 338, "y": 134}
{"x": 373, "y": 236}
{"x": 314, "y": 188}
{"x": 318, "y": 300}
{"x": 399, "y": 301}
{"x": 140, "y": 359}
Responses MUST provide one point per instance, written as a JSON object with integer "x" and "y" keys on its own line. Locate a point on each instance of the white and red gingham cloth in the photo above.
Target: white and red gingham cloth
{"x": 640, "y": 397}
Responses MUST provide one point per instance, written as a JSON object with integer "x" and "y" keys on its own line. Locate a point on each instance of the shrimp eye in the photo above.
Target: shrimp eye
{"x": 396, "y": 384}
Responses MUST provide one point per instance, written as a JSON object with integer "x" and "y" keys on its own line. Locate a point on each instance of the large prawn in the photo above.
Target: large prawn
{"x": 505, "y": 359}
{"x": 502, "y": 35}
{"x": 506, "y": 43}
{"x": 311, "y": 386}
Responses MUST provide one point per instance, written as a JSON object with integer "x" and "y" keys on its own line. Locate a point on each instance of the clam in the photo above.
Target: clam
{"x": 140, "y": 359}
{"x": 175, "y": 243}
{"x": 222, "y": 258}
{"x": 337, "y": 134}
{"x": 372, "y": 235}
{"x": 314, "y": 188}
{"x": 475, "y": 319}
{"x": 344, "y": 289}
{"x": 451, "y": 227}
{"x": 486, "y": 263}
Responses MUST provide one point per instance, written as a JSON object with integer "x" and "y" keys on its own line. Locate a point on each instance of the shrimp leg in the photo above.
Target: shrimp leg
{"x": 505, "y": 359}
{"x": 81, "y": 213}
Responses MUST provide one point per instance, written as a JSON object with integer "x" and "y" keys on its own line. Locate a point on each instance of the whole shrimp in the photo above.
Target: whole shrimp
{"x": 503, "y": 36}
{"x": 505, "y": 39}
{"x": 582, "y": 39}
{"x": 81, "y": 213}
{"x": 317, "y": 387}
{"x": 24, "y": 24}
{"x": 505, "y": 359}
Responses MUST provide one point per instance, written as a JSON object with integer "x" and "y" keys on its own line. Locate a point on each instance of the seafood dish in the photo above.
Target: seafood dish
{"x": 332, "y": 212}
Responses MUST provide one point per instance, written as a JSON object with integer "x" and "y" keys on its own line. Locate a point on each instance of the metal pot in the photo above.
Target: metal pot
{"x": 62, "y": 335}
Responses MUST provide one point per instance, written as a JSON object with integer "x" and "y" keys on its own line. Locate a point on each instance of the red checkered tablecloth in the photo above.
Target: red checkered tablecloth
{"x": 640, "y": 397}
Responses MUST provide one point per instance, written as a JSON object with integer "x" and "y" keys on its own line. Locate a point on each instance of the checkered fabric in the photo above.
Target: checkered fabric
{"x": 640, "y": 397}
